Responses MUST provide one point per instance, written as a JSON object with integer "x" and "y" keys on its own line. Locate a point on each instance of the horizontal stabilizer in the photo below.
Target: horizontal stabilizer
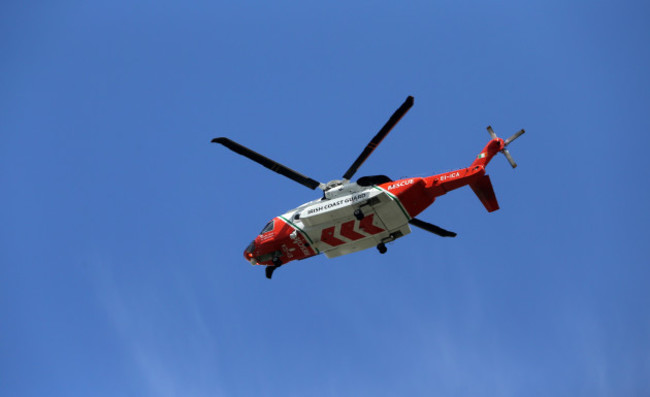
{"x": 484, "y": 191}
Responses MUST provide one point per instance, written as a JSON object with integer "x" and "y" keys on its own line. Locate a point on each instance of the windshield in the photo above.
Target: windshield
{"x": 267, "y": 228}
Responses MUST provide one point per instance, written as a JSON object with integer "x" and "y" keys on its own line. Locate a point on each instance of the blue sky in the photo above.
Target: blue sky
{"x": 121, "y": 269}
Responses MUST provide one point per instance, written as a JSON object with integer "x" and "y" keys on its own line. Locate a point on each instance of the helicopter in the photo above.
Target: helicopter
{"x": 371, "y": 212}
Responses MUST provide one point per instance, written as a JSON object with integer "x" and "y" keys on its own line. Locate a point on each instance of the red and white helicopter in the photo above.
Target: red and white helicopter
{"x": 374, "y": 210}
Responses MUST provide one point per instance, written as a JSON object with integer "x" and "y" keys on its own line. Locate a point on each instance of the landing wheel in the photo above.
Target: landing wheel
{"x": 382, "y": 248}
{"x": 358, "y": 214}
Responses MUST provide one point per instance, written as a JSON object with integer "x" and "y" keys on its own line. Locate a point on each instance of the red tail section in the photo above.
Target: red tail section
{"x": 484, "y": 191}
{"x": 490, "y": 150}
{"x": 410, "y": 191}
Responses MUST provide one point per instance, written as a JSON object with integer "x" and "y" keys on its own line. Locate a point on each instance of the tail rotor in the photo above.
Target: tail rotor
{"x": 506, "y": 143}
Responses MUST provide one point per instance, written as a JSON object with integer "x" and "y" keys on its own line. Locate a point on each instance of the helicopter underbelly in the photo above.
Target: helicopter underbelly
{"x": 336, "y": 231}
{"x": 365, "y": 243}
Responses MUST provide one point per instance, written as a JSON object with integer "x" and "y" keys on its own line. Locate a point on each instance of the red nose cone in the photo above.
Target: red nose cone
{"x": 248, "y": 253}
{"x": 250, "y": 258}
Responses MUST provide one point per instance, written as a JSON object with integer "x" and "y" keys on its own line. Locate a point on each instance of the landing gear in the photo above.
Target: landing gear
{"x": 269, "y": 271}
{"x": 358, "y": 214}
{"x": 382, "y": 248}
{"x": 277, "y": 262}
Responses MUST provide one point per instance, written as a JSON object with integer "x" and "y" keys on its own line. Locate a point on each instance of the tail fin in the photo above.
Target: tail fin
{"x": 484, "y": 191}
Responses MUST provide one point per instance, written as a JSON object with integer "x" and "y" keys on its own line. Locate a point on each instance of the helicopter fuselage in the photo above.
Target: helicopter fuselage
{"x": 352, "y": 218}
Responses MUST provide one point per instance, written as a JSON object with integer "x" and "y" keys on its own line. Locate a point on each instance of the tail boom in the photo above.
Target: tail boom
{"x": 489, "y": 151}
{"x": 440, "y": 184}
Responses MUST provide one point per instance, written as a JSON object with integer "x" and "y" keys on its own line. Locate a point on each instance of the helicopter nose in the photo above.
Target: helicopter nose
{"x": 249, "y": 257}
{"x": 248, "y": 254}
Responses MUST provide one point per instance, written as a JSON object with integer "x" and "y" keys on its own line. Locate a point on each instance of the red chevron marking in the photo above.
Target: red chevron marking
{"x": 367, "y": 226}
{"x": 327, "y": 236}
{"x": 347, "y": 230}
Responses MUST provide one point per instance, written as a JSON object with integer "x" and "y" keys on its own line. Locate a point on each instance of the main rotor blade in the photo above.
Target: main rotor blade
{"x": 399, "y": 113}
{"x": 432, "y": 228}
{"x": 268, "y": 163}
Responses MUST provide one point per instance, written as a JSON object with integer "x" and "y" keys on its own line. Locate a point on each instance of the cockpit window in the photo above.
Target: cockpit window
{"x": 251, "y": 248}
{"x": 267, "y": 228}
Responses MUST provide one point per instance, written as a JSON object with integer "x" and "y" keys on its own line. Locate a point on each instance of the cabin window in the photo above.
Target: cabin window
{"x": 267, "y": 228}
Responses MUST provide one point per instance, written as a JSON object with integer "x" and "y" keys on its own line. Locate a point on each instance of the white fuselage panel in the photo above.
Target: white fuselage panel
{"x": 334, "y": 229}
